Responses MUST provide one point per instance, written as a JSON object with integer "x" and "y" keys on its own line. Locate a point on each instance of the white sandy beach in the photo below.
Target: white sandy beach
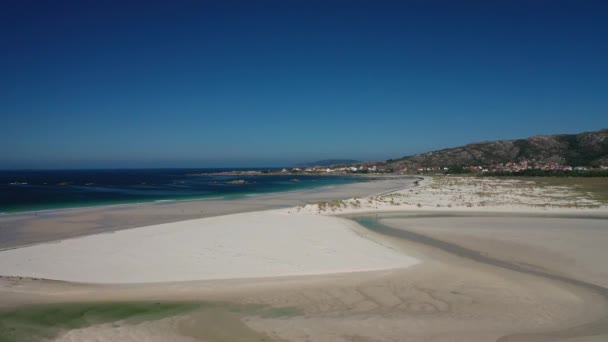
{"x": 306, "y": 259}
{"x": 248, "y": 245}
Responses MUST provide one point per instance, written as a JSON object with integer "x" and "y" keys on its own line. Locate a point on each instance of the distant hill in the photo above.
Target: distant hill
{"x": 583, "y": 149}
{"x": 328, "y": 162}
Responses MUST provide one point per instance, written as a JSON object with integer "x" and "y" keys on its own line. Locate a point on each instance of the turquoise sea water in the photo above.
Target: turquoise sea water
{"x": 56, "y": 189}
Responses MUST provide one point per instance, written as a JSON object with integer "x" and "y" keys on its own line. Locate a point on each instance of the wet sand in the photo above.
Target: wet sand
{"x": 460, "y": 292}
{"x": 568, "y": 251}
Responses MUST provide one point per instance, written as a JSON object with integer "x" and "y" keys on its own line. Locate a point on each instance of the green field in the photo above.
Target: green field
{"x": 596, "y": 186}
{"x": 207, "y": 321}
{"x": 40, "y": 322}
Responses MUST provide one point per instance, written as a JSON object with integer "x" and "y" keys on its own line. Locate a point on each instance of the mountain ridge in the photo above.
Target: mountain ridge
{"x": 582, "y": 149}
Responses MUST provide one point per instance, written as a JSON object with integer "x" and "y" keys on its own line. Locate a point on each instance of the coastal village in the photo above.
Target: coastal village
{"x": 509, "y": 167}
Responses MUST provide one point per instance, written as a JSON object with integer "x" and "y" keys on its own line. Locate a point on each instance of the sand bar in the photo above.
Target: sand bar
{"x": 248, "y": 245}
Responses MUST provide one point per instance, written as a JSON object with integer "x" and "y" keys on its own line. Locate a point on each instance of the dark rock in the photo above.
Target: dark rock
{"x": 237, "y": 182}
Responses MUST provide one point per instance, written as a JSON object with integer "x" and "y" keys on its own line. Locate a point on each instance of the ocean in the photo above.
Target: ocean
{"x": 34, "y": 190}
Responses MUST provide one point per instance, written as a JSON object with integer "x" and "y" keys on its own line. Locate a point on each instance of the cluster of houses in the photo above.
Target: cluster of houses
{"x": 496, "y": 167}
{"x": 339, "y": 169}
{"x": 434, "y": 168}
{"x": 532, "y": 165}
{"x": 526, "y": 165}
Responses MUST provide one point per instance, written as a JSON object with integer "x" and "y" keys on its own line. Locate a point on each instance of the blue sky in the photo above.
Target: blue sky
{"x": 263, "y": 83}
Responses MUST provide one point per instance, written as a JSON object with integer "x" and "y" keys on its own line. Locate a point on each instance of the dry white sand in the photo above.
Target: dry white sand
{"x": 259, "y": 244}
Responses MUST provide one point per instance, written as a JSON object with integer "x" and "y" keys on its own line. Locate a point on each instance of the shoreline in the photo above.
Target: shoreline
{"x": 22, "y": 229}
{"x": 225, "y": 196}
{"x": 34, "y": 212}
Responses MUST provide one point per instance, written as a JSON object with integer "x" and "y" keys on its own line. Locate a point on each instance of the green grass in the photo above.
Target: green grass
{"x": 330, "y": 205}
{"x": 40, "y": 322}
{"x": 285, "y": 312}
{"x": 44, "y": 322}
{"x": 597, "y": 187}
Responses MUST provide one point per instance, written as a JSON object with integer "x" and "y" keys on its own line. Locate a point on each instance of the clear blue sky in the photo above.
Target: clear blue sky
{"x": 252, "y": 83}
